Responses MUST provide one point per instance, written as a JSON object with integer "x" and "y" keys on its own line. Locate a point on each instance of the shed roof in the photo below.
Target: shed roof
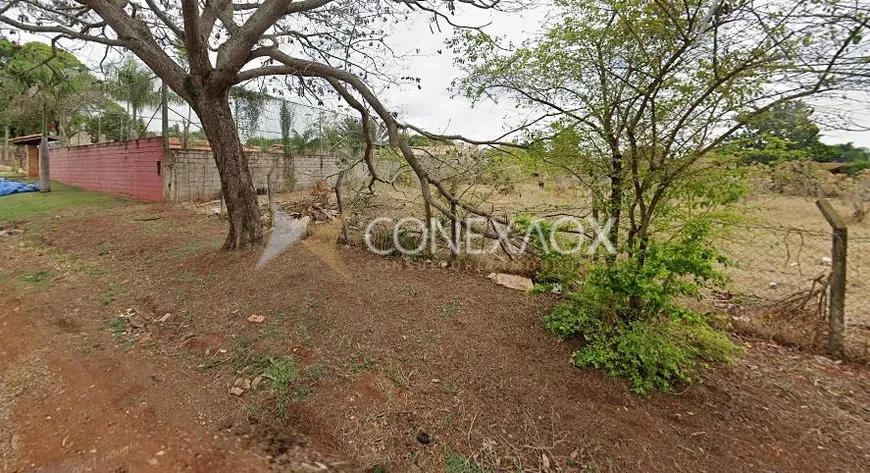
{"x": 29, "y": 139}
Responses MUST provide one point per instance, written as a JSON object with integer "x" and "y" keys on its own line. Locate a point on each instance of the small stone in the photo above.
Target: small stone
{"x": 773, "y": 285}
{"x": 137, "y": 322}
{"x": 256, "y": 382}
{"x": 164, "y": 318}
{"x": 153, "y": 462}
{"x": 257, "y": 319}
{"x": 237, "y": 391}
{"x": 512, "y": 281}
{"x": 423, "y": 438}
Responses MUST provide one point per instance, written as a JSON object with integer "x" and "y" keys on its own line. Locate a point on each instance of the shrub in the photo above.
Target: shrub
{"x": 627, "y": 314}
{"x": 854, "y": 168}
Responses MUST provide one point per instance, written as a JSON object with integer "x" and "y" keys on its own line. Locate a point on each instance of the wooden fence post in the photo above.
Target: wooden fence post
{"x": 837, "y": 299}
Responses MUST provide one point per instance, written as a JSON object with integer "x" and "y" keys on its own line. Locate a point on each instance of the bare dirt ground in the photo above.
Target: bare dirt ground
{"x": 396, "y": 367}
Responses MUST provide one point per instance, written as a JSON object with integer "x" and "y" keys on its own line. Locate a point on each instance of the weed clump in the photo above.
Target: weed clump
{"x": 628, "y": 316}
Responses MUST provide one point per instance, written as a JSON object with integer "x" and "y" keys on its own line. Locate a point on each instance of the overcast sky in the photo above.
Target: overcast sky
{"x": 435, "y": 109}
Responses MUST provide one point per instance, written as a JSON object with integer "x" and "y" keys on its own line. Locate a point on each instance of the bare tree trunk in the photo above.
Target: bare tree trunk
{"x": 615, "y": 199}
{"x": 243, "y": 211}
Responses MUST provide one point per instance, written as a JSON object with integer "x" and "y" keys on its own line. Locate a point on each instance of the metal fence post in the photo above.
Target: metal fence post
{"x": 836, "y": 320}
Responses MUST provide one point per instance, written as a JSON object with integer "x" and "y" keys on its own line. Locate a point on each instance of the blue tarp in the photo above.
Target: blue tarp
{"x": 11, "y": 187}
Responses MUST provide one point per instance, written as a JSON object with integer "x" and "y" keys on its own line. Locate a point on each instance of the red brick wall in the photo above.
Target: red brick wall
{"x": 129, "y": 168}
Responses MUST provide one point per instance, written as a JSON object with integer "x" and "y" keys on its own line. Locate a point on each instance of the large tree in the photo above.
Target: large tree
{"x": 41, "y": 85}
{"x": 785, "y": 132}
{"x": 201, "y": 50}
{"x": 133, "y": 84}
{"x": 638, "y": 95}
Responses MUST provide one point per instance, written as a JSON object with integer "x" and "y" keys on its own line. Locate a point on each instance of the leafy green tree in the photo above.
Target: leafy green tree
{"x": 638, "y": 97}
{"x": 348, "y": 135}
{"x": 201, "y": 50}
{"x": 7, "y": 91}
{"x": 304, "y": 143}
{"x": 111, "y": 122}
{"x": 849, "y": 153}
{"x": 134, "y": 84}
{"x": 785, "y": 132}
{"x": 41, "y": 83}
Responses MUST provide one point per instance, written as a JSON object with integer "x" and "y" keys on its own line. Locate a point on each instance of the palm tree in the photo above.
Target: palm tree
{"x": 134, "y": 85}
{"x": 305, "y": 142}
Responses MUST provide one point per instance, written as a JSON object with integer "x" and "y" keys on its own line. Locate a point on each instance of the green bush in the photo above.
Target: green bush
{"x": 630, "y": 321}
{"x": 856, "y": 167}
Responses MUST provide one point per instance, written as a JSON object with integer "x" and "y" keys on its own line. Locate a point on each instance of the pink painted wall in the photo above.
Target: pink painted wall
{"x": 130, "y": 168}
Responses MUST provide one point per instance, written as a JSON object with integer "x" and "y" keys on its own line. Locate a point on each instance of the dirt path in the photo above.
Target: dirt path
{"x": 394, "y": 365}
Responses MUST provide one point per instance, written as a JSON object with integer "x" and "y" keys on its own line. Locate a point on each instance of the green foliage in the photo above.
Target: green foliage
{"x": 556, "y": 267}
{"x": 246, "y": 355}
{"x": 281, "y": 373}
{"x": 112, "y": 293}
{"x": 263, "y": 143}
{"x": 360, "y": 363}
{"x": 629, "y": 316}
{"x": 786, "y": 132}
{"x": 306, "y": 142}
{"x": 249, "y": 106}
{"x": 782, "y": 133}
{"x": 455, "y": 463}
{"x": 504, "y": 166}
{"x": 654, "y": 354}
{"x": 849, "y": 153}
{"x": 112, "y": 123}
{"x": 38, "y": 82}
{"x": 420, "y": 141}
{"x": 118, "y": 326}
{"x": 36, "y": 277}
{"x": 856, "y": 167}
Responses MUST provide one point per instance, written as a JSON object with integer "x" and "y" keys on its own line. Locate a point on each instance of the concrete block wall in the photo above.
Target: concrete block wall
{"x": 138, "y": 169}
{"x": 192, "y": 175}
{"x": 131, "y": 168}
{"x": 309, "y": 170}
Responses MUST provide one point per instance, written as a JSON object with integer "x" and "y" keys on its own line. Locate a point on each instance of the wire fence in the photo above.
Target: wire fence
{"x": 264, "y": 123}
{"x": 779, "y": 283}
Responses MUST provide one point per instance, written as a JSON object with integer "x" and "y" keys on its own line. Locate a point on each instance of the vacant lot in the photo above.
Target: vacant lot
{"x": 778, "y": 244}
{"x": 359, "y": 363}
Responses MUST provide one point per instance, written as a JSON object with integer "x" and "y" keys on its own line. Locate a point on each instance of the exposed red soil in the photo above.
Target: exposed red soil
{"x": 387, "y": 349}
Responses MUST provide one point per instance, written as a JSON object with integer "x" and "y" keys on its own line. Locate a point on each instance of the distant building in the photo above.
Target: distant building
{"x": 27, "y": 149}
